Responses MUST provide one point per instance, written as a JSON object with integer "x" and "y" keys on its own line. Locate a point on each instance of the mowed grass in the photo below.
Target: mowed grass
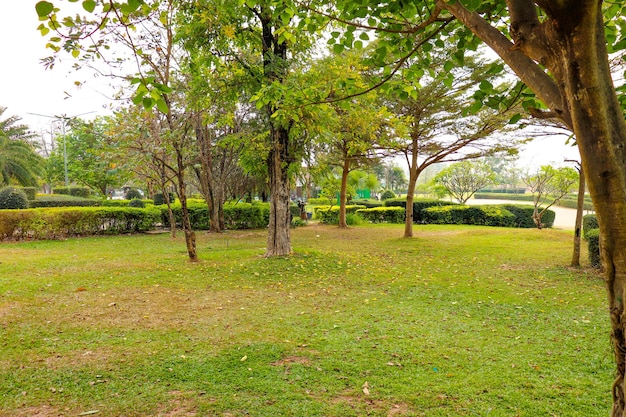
{"x": 458, "y": 321}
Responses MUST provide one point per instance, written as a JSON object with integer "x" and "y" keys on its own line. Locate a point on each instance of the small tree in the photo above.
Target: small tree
{"x": 548, "y": 185}
{"x": 462, "y": 179}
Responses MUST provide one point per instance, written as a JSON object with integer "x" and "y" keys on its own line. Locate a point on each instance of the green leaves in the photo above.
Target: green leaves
{"x": 89, "y": 5}
{"x": 44, "y": 8}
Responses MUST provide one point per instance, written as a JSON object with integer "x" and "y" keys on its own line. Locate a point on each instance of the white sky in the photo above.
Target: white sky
{"x": 29, "y": 88}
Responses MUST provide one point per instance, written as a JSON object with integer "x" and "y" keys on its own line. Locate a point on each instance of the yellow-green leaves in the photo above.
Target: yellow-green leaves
{"x": 89, "y": 5}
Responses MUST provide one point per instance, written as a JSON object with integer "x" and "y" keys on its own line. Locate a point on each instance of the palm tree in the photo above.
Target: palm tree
{"x": 19, "y": 162}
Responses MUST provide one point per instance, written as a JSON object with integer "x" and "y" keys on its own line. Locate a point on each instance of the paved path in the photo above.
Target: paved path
{"x": 565, "y": 218}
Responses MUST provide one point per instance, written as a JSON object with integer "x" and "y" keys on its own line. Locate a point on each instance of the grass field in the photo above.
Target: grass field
{"x": 459, "y": 321}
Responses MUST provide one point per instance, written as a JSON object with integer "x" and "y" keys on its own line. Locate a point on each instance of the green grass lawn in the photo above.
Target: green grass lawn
{"x": 459, "y": 321}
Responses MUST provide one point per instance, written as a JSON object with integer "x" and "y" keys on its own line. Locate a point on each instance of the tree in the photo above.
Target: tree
{"x": 19, "y": 161}
{"x": 548, "y": 185}
{"x": 92, "y": 160}
{"x": 443, "y": 125}
{"x": 462, "y": 179}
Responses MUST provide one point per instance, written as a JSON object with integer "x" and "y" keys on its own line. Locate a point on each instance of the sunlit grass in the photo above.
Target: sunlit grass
{"x": 458, "y": 321}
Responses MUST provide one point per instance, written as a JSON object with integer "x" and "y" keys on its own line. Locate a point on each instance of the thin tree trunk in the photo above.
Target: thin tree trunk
{"x": 343, "y": 197}
{"x": 579, "y": 217}
{"x": 190, "y": 236}
{"x": 410, "y": 196}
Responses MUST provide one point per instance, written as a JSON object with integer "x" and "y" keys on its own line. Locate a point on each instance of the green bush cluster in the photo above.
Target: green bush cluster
{"x": 330, "y": 214}
{"x": 419, "y": 204}
{"x": 367, "y": 202}
{"x": 31, "y": 192}
{"x": 137, "y": 203}
{"x": 383, "y": 214}
{"x": 83, "y": 192}
{"x": 124, "y": 203}
{"x": 13, "y": 198}
{"x": 524, "y": 215}
{"x": 159, "y": 198}
{"x": 61, "y": 200}
{"x": 593, "y": 244}
{"x": 55, "y": 223}
{"x": 387, "y": 194}
{"x": 590, "y": 222}
{"x": 132, "y": 194}
{"x": 236, "y": 215}
{"x": 477, "y": 215}
{"x": 321, "y": 201}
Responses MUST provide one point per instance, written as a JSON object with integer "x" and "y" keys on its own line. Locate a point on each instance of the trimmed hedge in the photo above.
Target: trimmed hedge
{"x": 31, "y": 192}
{"x": 593, "y": 244}
{"x": 330, "y": 214}
{"x": 590, "y": 222}
{"x": 55, "y": 223}
{"x": 61, "y": 200}
{"x": 236, "y": 215}
{"x": 383, "y": 214}
{"x": 524, "y": 215}
{"x": 73, "y": 191}
{"x": 321, "y": 201}
{"x": 122, "y": 203}
{"x": 419, "y": 204}
{"x": 476, "y": 215}
{"x": 367, "y": 202}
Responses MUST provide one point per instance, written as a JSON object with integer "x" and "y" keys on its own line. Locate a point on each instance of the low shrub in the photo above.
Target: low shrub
{"x": 593, "y": 244}
{"x": 367, "y": 202}
{"x": 13, "y": 198}
{"x": 354, "y": 219}
{"x": 476, "y": 215}
{"x": 60, "y": 222}
{"x": 419, "y": 204}
{"x": 236, "y": 215}
{"x": 61, "y": 200}
{"x": 387, "y": 194}
{"x": 31, "y": 192}
{"x": 590, "y": 222}
{"x": 330, "y": 214}
{"x": 321, "y": 201}
{"x": 83, "y": 192}
{"x": 524, "y": 215}
{"x": 159, "y": 198}
{"x": 136, "y": 202}
{"x": 383, "y": 214}
{"x": 132, "y": 193}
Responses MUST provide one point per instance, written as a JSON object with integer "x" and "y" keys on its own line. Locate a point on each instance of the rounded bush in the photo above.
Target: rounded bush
{"x": 13, "y": 198}
{"x": 387, "y": 194}
{"x": 159, "y": 198}
{"x": 132, "y": 193}
{"x": 137, "y": 203}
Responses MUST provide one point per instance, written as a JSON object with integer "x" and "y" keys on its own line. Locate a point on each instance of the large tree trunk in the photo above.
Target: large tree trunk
{"x": 580, "y": 204}
{"x": 278, "y": 239}
{"x": 571, "y": 44}
{"x": 343, "y": 194}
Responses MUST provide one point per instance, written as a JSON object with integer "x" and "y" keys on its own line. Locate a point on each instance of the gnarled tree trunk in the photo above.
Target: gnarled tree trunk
{"x": 570, "y": 42}
{"x": 278, "y": 239}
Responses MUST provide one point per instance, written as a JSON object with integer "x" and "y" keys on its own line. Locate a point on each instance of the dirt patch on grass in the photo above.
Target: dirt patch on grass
{"x": 291, "y": 360}
{"x": 393, "y": 410}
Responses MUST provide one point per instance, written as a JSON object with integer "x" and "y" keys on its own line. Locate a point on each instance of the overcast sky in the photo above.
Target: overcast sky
{"x": 29, "y": 88}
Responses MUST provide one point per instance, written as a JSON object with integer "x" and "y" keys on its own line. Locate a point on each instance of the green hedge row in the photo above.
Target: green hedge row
{"x": 419, "y": 204}
{"x": 60, "y": 200}
{"x": 383, "y": 214}
{"x": 73, "y": 191}
{"x": 330, "y": 214}
{"x": 121, "y": 203}
{"x": 367, "y": 202}
{"x": 236, "y": 215}
{"x": 55, "y": 223}
{"x": 524, "y": 215}
{"x": 477, "y": 215}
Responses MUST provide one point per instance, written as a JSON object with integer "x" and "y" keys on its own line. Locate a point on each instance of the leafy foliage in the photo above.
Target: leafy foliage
{"x": 462, "y": 179}
{"x": 13, "y": 198}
